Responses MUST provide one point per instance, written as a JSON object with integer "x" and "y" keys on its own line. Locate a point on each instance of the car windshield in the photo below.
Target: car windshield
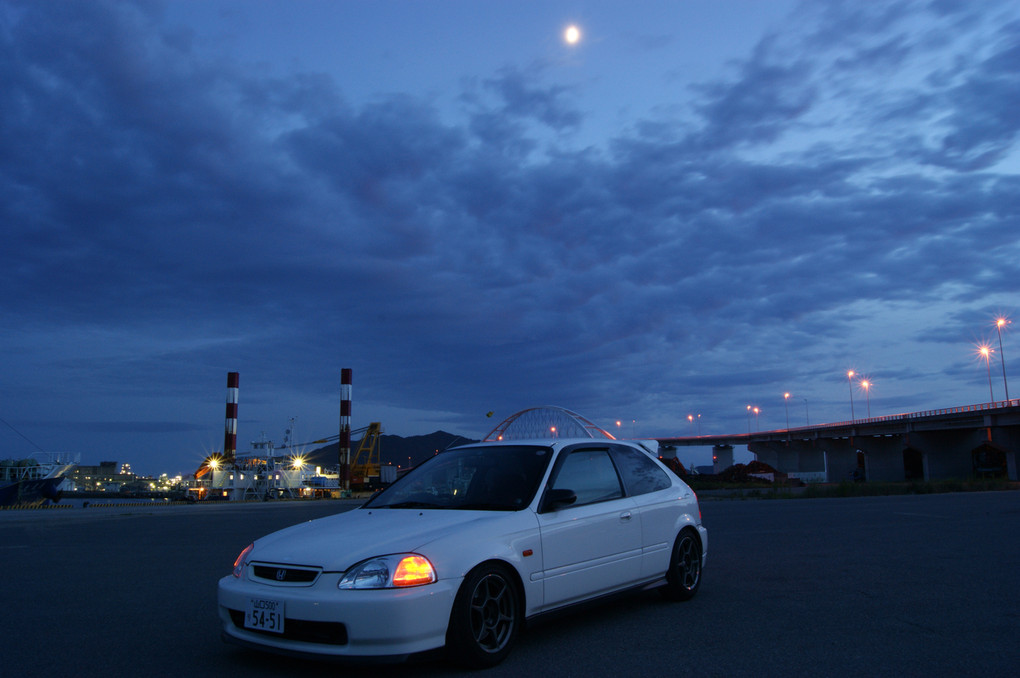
{"x": 484, "y": 478}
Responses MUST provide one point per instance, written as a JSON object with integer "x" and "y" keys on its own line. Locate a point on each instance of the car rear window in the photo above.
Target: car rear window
{"x": 640, "y": 474}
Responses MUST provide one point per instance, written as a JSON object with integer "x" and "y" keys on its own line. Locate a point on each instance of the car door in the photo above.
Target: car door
{"x": 592, "y": 546}
{"x": 656, "y": 505}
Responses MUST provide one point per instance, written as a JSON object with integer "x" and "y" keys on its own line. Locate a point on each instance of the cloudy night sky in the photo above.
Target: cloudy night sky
{"x": 697, "y": 207}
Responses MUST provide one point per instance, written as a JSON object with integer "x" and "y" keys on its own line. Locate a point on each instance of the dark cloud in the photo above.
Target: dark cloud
{"x": 759, "y": 106}
{"x": 119, "y": 427}
{"x": 982, "y": 122}
{"x": 168, "y": 218}
{"x": 519, "y": 97}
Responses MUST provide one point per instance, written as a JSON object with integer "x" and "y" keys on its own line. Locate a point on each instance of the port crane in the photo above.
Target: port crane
{"x": 365, "y": 461}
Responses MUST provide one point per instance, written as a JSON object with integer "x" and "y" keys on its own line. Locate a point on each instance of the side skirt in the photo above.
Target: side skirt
{"x": 571, "y": 608}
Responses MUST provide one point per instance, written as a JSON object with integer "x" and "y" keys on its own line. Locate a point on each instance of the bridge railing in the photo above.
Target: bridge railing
{"x": 960, "y": 409}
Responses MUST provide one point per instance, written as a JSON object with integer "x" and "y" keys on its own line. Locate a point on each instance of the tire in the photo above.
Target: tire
{"x": 684, "y": 574}
{"x": 485, "y": 619}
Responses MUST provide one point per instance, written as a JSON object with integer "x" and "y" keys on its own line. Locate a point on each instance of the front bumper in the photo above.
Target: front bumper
{"x": 322, "y": 620}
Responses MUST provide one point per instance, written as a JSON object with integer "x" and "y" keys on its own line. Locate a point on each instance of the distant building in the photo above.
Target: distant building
{"x": 102, "y": 478}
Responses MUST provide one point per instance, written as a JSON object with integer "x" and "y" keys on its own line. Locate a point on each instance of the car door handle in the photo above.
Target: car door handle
{"x": 624, "y": 517}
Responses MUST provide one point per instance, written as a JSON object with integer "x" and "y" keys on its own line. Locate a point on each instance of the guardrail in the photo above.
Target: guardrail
{"x": 923, "y": 414}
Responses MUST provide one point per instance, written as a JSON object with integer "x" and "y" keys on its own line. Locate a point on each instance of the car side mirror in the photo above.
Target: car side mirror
{"x": 558, "y": 498}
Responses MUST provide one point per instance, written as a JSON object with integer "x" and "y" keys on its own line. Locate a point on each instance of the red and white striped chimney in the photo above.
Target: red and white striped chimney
{"x": 344, "y": 452}
{"x": 230, "y": 435}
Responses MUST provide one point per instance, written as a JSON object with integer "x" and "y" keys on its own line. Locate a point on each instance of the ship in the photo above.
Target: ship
{"x": 32, "y": 481}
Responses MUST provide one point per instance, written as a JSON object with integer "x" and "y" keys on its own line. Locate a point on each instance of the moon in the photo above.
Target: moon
{"x": 572, "y": 35}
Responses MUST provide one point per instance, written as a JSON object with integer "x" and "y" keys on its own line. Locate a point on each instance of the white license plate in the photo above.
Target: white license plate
{"x": 264, "y": 614}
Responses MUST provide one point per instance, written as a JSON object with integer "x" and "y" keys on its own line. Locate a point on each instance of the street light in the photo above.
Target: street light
{"x": 757, "y": 427}
{"x": 850, "y": 381}
{"x": 999, "y": 324}
{"x": 699, "y": 424}
{"x": 786, "y": 404}
{"x": 749, "y": 420}
{"x": 866, "y": 385}
{"x": 986, "y": 353}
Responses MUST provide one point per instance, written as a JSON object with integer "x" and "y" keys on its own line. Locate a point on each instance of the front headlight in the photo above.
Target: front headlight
{"x": 387, "y": 572}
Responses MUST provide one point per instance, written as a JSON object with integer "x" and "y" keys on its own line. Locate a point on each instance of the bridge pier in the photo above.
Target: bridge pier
{"x": 942, "y": 451}
{"x": 1009, "y": 440}
{"x": 890, "y": 458}
{"x": 722, "y": 458}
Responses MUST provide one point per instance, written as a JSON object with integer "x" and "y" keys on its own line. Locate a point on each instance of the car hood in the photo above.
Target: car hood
{"x": 335, "y": 543}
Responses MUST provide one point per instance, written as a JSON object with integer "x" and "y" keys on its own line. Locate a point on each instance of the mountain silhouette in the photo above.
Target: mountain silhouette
{"x": 394, "y": 450}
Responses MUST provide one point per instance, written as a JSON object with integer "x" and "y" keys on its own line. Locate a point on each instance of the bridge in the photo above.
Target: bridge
{"x": 958, "y": 442}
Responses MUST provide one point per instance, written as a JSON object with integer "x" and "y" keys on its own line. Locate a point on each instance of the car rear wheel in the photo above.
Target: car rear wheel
{"x": 684, "y": 574}
{"x": 485, "y": 619}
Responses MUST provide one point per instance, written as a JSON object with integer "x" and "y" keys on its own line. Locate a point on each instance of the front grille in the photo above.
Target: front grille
{"x": 284, "y": 574}
{"x": 323, "y": 633}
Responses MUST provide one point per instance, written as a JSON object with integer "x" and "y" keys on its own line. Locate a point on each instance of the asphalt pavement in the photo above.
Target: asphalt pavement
{"x": 873, "y": 586}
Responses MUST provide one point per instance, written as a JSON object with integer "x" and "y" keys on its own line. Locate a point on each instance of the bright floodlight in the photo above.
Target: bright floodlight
{"x": 572, "y": 35}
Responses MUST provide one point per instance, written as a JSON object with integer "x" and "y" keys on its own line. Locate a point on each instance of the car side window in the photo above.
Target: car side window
{"x": 640, "y": 474}
{"x": 591, "y": 475}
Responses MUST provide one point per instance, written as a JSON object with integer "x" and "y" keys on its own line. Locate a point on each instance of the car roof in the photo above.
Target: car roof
{"x": 560, "y": 443}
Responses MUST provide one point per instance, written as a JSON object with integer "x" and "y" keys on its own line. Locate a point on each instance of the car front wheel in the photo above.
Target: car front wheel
{"x": 485, "y": 619}
{"x": 684, "y": 573}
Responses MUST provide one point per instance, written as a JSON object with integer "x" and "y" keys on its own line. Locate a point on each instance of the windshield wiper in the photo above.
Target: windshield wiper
{"x": 481, "y": 506}
{"x": 410, "y": 505}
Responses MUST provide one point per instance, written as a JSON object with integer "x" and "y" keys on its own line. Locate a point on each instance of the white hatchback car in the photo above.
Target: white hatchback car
{"x": 464, "y": 549}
